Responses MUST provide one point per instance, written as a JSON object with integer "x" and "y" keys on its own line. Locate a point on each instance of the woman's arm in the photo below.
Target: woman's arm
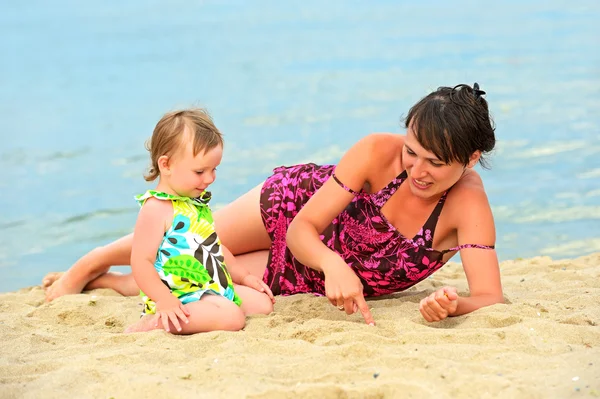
{"x": 475, "y": 225}
{"x": 480, "y": 265}
{"x": 353, "y": 170}
{"x": 342, "y": 286}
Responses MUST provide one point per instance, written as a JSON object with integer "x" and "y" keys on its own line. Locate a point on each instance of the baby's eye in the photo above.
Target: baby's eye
{"x": 199, "y": 172}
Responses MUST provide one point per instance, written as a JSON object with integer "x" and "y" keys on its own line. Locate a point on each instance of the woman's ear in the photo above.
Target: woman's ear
{"x": 163, "y": 165}
{"x": 474, "y": 159}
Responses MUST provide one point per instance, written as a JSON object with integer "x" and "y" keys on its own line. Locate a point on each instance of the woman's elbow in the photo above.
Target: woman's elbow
{"x": 293, "y": 233}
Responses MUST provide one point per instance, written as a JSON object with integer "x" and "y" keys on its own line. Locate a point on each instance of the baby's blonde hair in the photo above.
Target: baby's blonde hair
{"x": 168, "y": 134}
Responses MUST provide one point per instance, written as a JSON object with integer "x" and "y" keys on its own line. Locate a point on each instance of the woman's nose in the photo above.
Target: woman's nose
{"x": 417, "y": 169}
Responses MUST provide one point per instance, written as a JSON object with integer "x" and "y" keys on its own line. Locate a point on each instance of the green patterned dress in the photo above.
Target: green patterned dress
{"x": 189, "y": 259}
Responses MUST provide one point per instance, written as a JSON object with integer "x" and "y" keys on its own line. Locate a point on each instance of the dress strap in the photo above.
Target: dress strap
{"x": 342, "y": 185}
{"x": 463, "y": 246}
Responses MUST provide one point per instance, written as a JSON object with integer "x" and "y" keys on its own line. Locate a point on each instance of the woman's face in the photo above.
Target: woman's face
{"x": 428, "y": 176}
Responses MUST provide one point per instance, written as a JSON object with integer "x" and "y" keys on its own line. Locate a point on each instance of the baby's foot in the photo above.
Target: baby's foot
{"x": 50, "y": 278}
{"x": 146, "y": 323}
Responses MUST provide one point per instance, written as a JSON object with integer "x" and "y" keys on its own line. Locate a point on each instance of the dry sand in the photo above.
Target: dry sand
{"x": 543, "y": 343}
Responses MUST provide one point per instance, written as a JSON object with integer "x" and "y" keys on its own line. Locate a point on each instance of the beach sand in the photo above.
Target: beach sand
{"x": 544, "y": 342}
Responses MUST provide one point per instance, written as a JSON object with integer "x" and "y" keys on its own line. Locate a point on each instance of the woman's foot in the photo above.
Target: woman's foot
{"x": 56, "y": 284}
{"x": 89, "y": 267}
{"x": 50, "y": 278}
{"x": 74, "y": 280}
{"x": 59, "y": 284}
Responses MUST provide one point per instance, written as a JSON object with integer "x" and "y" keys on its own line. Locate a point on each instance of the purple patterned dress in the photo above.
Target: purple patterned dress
{"x": 383, "y": 259}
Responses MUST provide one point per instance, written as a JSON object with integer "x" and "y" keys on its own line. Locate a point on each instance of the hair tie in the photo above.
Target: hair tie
{"x": 476, "y": 92}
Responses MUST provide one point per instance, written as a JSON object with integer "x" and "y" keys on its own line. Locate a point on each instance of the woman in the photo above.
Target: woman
{"x": 347, "y": 226}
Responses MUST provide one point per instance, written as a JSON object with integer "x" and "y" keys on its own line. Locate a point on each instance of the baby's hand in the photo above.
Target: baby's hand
{"x": 259, "y": 285}
{"x": 440, "y": 304}
{"x": 171, "y": 309}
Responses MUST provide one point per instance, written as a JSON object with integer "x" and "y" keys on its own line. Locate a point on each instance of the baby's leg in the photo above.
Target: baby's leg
{"x": 210, "y": 313}
{"x": 89, "y": 267}
{"x": 253, "y": 302}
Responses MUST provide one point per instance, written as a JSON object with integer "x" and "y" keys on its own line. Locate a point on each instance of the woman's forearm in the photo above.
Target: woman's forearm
{"x": 304, "y": 242}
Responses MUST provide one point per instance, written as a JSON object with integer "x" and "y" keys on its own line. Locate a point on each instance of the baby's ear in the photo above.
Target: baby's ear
{"x": 164, "y": 165}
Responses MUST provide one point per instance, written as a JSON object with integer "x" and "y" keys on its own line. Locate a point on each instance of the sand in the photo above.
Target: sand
{"x": 544, "y": 342}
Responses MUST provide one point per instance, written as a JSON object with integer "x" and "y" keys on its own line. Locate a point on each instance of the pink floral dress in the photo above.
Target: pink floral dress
{"x": 383, "y": 259}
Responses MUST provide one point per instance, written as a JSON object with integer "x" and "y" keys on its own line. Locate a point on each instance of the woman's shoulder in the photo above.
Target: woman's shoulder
{"x": 470, "y": 184}
{"x": 383, "y": 141}
{"x": 469, "y": 194}
{"x": 382, "y": 147}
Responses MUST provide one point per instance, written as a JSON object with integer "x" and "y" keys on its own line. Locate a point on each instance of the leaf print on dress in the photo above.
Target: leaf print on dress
{"x": 187, "y": 267}
{"x": 174, "y": 242}
{"x": 181, "y": 224}
{"x": 210, "y": 255}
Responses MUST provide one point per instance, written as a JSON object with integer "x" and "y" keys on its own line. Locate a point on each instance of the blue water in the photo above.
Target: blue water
{"x": 82, "y": 85}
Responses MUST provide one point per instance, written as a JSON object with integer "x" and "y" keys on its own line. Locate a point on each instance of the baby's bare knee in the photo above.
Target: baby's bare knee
{"x": 264, "y": 307}
{"x": 235, "y": 322}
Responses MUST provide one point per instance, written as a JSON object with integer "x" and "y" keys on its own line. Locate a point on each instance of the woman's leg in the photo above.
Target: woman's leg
{"x": 239, "y": 224}
{"x": 239, "y": 227}
{"x": 124, "y": 284}
{"x": 89, "y": 267}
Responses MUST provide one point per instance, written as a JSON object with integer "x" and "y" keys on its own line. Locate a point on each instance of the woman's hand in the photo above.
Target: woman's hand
{"x": 171, "y": 309}
{"x": 440, "y": 304}
{"x": 254, "y": 282}
{"x": 344, "y": 290}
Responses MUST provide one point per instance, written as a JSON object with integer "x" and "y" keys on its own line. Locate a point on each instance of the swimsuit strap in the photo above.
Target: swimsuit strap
{"x": 463, "y": 246}
{"x": 431, "y": 222}
{"x": 392, "y": 186}
{"x": 342, "y": 185}
{"x": 388, "y": 190}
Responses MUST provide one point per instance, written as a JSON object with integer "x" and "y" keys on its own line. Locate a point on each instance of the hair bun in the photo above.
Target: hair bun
{"x": 476, "y": 92}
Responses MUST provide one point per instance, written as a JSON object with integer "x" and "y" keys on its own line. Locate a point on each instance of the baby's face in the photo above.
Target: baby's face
{"x": 192, "y": 174}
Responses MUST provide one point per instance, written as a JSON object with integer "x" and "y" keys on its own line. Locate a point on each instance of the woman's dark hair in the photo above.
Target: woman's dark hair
{"x": 453, "y": 123}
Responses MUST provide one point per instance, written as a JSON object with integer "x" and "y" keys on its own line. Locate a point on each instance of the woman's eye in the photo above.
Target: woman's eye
{"x": 409, "y": 151}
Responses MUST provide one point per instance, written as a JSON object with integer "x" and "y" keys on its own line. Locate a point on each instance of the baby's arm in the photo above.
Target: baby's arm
{"x": 147, "y": 236}
{"x": 241, "y": 276}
